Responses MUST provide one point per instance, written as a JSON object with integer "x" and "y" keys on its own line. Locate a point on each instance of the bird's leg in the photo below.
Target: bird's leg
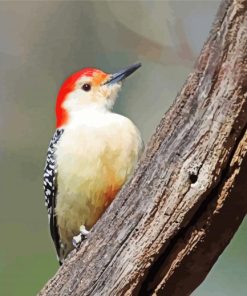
{"x": 77, "y": 239}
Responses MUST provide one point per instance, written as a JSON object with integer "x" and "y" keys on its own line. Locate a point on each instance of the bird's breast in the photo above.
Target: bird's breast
{"x": 93, "y": 163}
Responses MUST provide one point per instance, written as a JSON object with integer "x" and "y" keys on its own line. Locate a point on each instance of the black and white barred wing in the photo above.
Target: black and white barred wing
{"x": 50, "y": 187}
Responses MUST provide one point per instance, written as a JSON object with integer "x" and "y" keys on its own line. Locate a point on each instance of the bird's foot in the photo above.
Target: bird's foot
{"x": 77, "y": 239}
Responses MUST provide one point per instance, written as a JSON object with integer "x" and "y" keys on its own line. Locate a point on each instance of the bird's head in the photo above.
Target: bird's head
{"x": 89, "y": 88}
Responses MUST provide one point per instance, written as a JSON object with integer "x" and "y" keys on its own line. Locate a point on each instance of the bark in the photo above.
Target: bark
{"x": 188, "y": 196}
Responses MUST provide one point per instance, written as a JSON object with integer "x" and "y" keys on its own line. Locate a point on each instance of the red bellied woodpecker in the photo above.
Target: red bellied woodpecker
{"x": 91, "y": 155}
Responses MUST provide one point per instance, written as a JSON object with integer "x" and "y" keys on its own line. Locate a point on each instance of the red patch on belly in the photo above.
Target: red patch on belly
{"x": 96, "y": 212}
{"x": 110, "y": 194}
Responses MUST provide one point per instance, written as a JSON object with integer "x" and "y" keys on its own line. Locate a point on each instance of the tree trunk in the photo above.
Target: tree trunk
{"x": 188, "y": 196}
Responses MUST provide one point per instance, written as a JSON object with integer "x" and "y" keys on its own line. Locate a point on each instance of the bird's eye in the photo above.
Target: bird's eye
{"x": 86, "y": 86}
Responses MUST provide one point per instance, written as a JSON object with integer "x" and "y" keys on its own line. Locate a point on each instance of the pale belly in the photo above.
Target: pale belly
{"x": 99, "y": 162}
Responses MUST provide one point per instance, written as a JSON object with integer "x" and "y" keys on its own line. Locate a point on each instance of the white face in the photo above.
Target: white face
{"x": 90, "y": 93}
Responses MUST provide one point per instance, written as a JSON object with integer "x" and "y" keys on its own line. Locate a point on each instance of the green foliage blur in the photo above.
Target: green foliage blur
{"x": 42, "y": 43}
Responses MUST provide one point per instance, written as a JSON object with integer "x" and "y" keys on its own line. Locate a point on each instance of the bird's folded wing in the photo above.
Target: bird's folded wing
{"x": 50, "y": 188}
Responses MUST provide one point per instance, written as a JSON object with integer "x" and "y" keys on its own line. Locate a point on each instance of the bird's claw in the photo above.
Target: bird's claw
{"x": 84, "y": 231}
{"x": 77, "y": 239}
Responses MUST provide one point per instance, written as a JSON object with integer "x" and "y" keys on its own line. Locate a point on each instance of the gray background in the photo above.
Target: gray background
{"x": 43, "y": 42}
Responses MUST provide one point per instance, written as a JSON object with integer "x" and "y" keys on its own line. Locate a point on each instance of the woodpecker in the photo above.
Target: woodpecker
{"x": 91, "y": 155}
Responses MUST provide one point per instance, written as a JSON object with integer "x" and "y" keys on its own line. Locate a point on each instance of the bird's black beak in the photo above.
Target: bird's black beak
{"x": 122, "y": 74}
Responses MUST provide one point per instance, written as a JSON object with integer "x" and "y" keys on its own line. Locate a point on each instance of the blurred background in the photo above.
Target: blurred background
{"x": 41, "y": 44}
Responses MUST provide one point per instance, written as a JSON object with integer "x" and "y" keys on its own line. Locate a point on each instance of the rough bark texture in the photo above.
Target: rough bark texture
{"x": 169, "y": 224}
